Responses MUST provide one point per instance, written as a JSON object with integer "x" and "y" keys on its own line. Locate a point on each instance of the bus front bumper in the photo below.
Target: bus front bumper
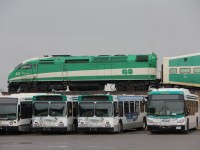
{"x": 166, "y": 128}
{"x": 95, "y": 129}
{"x": 9, "y": 128}
{"x": 49, "y": 129}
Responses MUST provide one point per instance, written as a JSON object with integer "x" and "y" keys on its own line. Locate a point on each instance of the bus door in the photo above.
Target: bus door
{"x": 25, "y": 116}
{"x": 69, "y": 116}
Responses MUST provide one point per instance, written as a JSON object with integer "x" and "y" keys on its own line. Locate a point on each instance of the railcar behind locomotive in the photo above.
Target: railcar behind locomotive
{"x": 62, "y": 72}
{"x": 182, "y": 71}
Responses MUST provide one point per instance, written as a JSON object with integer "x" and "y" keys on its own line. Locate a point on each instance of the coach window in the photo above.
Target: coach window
{"x": 185, "y": 70}
{"x": 126, "y": 108}
{"x": 196, "y": 70}
{"x": 120, "y": 106}
{"x": 132, "y": 107}
{"x": 142, "y": 104}
{"x": 172, "y": 70}
{"x": 137, "y": 107}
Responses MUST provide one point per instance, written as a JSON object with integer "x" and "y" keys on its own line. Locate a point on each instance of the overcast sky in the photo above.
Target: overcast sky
{"x": 33, "y": 28}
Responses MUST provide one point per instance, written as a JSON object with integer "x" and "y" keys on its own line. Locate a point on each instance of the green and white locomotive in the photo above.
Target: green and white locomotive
{"x": 62, "y": 72}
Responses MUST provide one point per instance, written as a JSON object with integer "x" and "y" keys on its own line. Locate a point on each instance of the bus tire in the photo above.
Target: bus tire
{"x": 152, "y": 132}
{"x": 120, "y": 127}
{"x": 74, "y": 127}
{"x": 144, "y": 125}
{"x": 187, "y": 127}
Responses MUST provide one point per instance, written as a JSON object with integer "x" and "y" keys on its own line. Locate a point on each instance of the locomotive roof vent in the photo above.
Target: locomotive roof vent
{"x": 119, "y": 55}
{"x": 104, "y": 55}
{"x": 61, "y": 55}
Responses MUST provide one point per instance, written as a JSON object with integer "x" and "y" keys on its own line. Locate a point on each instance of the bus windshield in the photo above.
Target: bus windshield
{"x": 8, "y": 111}
{"x": 57, "y": 109}
{"x": 40, "y": 108}
{"x": 166, "y": 107}
{"x": 86, "y": 109}
{"x": 103, "y": 109}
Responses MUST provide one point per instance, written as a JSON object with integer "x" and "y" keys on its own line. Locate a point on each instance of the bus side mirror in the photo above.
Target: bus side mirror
{"x": 187, "y": 111}
{"x": 116, "y": 112}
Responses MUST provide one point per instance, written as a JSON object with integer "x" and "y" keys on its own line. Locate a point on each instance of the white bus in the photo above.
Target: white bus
{"x": 111, "y": 113}
{"x": 55, "y": 112}
{"x": 15, "y": 112}
{"x": 172, "y": 109}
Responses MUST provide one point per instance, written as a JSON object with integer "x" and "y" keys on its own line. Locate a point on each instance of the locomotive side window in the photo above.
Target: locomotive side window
{"x": 18, "y": 66}
{"x": 27, "y": 66}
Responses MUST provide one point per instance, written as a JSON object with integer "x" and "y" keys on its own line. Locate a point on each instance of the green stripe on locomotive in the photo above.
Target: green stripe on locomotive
{"x": 99, "y": 68}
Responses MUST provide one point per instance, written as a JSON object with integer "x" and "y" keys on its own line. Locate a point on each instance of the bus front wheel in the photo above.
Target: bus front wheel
{"x": 120, "y": 127}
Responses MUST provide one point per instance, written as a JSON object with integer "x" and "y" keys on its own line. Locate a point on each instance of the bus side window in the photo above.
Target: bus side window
{"x": 132, "y": 109}
{"x": 69, "y": 108}
{"x": 120, "y": 105}
{"x": 137, "y": 108}
{"x": 142, "y": 105}
{"x": 126, "y": 108}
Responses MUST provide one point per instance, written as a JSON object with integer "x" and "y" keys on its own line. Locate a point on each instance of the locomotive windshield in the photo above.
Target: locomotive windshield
{"x": 18, "y": 66}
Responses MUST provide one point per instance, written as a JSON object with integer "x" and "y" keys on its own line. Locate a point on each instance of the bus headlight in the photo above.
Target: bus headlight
{"x": 149, "y": 121}
{"x": 11, "y": 123}
{"x": 181, "y": 121}
{"x": 61, "y": 124}
{"x": 107, "y": 124}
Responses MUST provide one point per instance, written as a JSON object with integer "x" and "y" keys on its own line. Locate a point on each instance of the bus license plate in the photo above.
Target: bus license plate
{"x": 178, "y": 128}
